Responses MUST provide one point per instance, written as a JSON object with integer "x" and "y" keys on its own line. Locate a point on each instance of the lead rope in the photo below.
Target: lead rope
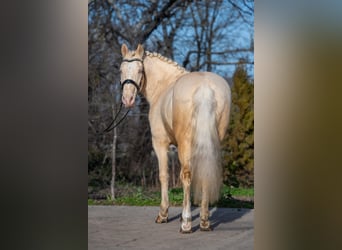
{"x": 110, "y": 127}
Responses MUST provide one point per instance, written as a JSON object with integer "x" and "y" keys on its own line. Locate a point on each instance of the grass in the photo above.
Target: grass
{"x": 137, "y": 196}
{"x": 236, "y": 197}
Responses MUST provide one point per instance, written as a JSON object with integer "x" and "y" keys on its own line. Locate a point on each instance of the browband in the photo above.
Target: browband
{"x": 130, "y": 81}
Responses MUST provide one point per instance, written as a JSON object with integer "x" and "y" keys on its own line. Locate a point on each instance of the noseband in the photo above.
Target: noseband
{"x": 130, "y": 81}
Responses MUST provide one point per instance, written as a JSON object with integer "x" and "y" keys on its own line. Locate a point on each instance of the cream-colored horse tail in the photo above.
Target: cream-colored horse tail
{"x": 205, "y": 161}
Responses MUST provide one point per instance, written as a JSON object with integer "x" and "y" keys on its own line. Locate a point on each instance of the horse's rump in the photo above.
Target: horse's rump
{"x": 200, "y": 110}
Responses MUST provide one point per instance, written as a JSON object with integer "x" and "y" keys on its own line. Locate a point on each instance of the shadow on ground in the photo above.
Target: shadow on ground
{"x": 217, "y": 215}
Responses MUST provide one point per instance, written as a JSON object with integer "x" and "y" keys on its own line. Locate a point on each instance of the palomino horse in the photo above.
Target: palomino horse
{"x": 190, "y": 110}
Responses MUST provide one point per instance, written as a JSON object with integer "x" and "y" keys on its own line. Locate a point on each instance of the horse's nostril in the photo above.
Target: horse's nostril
{"x": 128, "y": 101}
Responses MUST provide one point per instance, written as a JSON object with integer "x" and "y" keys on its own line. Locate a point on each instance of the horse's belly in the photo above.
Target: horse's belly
{"x": 166, "y": 114}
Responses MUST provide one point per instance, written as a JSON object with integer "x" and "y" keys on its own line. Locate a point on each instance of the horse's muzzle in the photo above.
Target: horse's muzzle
{"x": 128, "y": 101}
{"x": 127, "y": 98}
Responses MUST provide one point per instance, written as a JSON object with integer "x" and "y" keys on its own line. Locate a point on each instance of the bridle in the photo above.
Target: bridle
{"x": 130, "y": 81}
{"x": 127, "y": 81}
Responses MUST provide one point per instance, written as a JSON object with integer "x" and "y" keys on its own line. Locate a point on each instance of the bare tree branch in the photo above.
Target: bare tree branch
{"x": 241, "y": 10}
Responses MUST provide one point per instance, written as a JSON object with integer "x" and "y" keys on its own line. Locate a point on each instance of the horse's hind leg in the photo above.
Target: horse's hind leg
{"x": 186, "y": 213}
{"x": 184, "y": 157}
{"x": 204, "y": 213}
{"x": 161, "y": 151}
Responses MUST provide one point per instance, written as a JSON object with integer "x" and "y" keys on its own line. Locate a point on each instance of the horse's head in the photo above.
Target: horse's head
{"x": 132, "y": 73}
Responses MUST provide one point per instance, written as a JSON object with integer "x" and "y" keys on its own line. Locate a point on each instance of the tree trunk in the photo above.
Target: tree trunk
{"x": 173, "y": 170}
{"x": 112, "y": 184}
{"x": 143, "y": 175}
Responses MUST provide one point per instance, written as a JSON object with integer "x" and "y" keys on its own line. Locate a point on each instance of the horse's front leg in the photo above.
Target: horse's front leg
{"x": 161, "y": 151}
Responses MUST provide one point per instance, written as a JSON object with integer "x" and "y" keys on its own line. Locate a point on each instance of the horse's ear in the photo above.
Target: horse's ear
{"x": 124, "y": 50}
{"x": 140, "y": 50}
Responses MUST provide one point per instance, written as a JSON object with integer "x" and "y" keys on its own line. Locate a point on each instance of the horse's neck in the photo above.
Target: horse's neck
{"x": 159, "y": 76}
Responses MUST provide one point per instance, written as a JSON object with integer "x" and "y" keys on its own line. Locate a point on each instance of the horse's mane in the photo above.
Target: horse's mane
{"x": 165, "y": 59}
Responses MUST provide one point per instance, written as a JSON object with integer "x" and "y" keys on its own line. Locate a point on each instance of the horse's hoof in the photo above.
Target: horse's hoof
{"x": 206, "y": 229}
{"x": 188, "y": 231}
{"x": 160, "y": 219}
{"x": 186, "y": 226}
{"x": 205, "y": 226}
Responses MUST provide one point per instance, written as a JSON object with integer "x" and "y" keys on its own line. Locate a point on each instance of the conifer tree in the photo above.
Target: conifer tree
{"x": 238, "y": 145}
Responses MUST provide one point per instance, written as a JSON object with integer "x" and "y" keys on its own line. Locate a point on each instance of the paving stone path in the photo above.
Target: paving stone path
{"x": 127, "y": 227}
